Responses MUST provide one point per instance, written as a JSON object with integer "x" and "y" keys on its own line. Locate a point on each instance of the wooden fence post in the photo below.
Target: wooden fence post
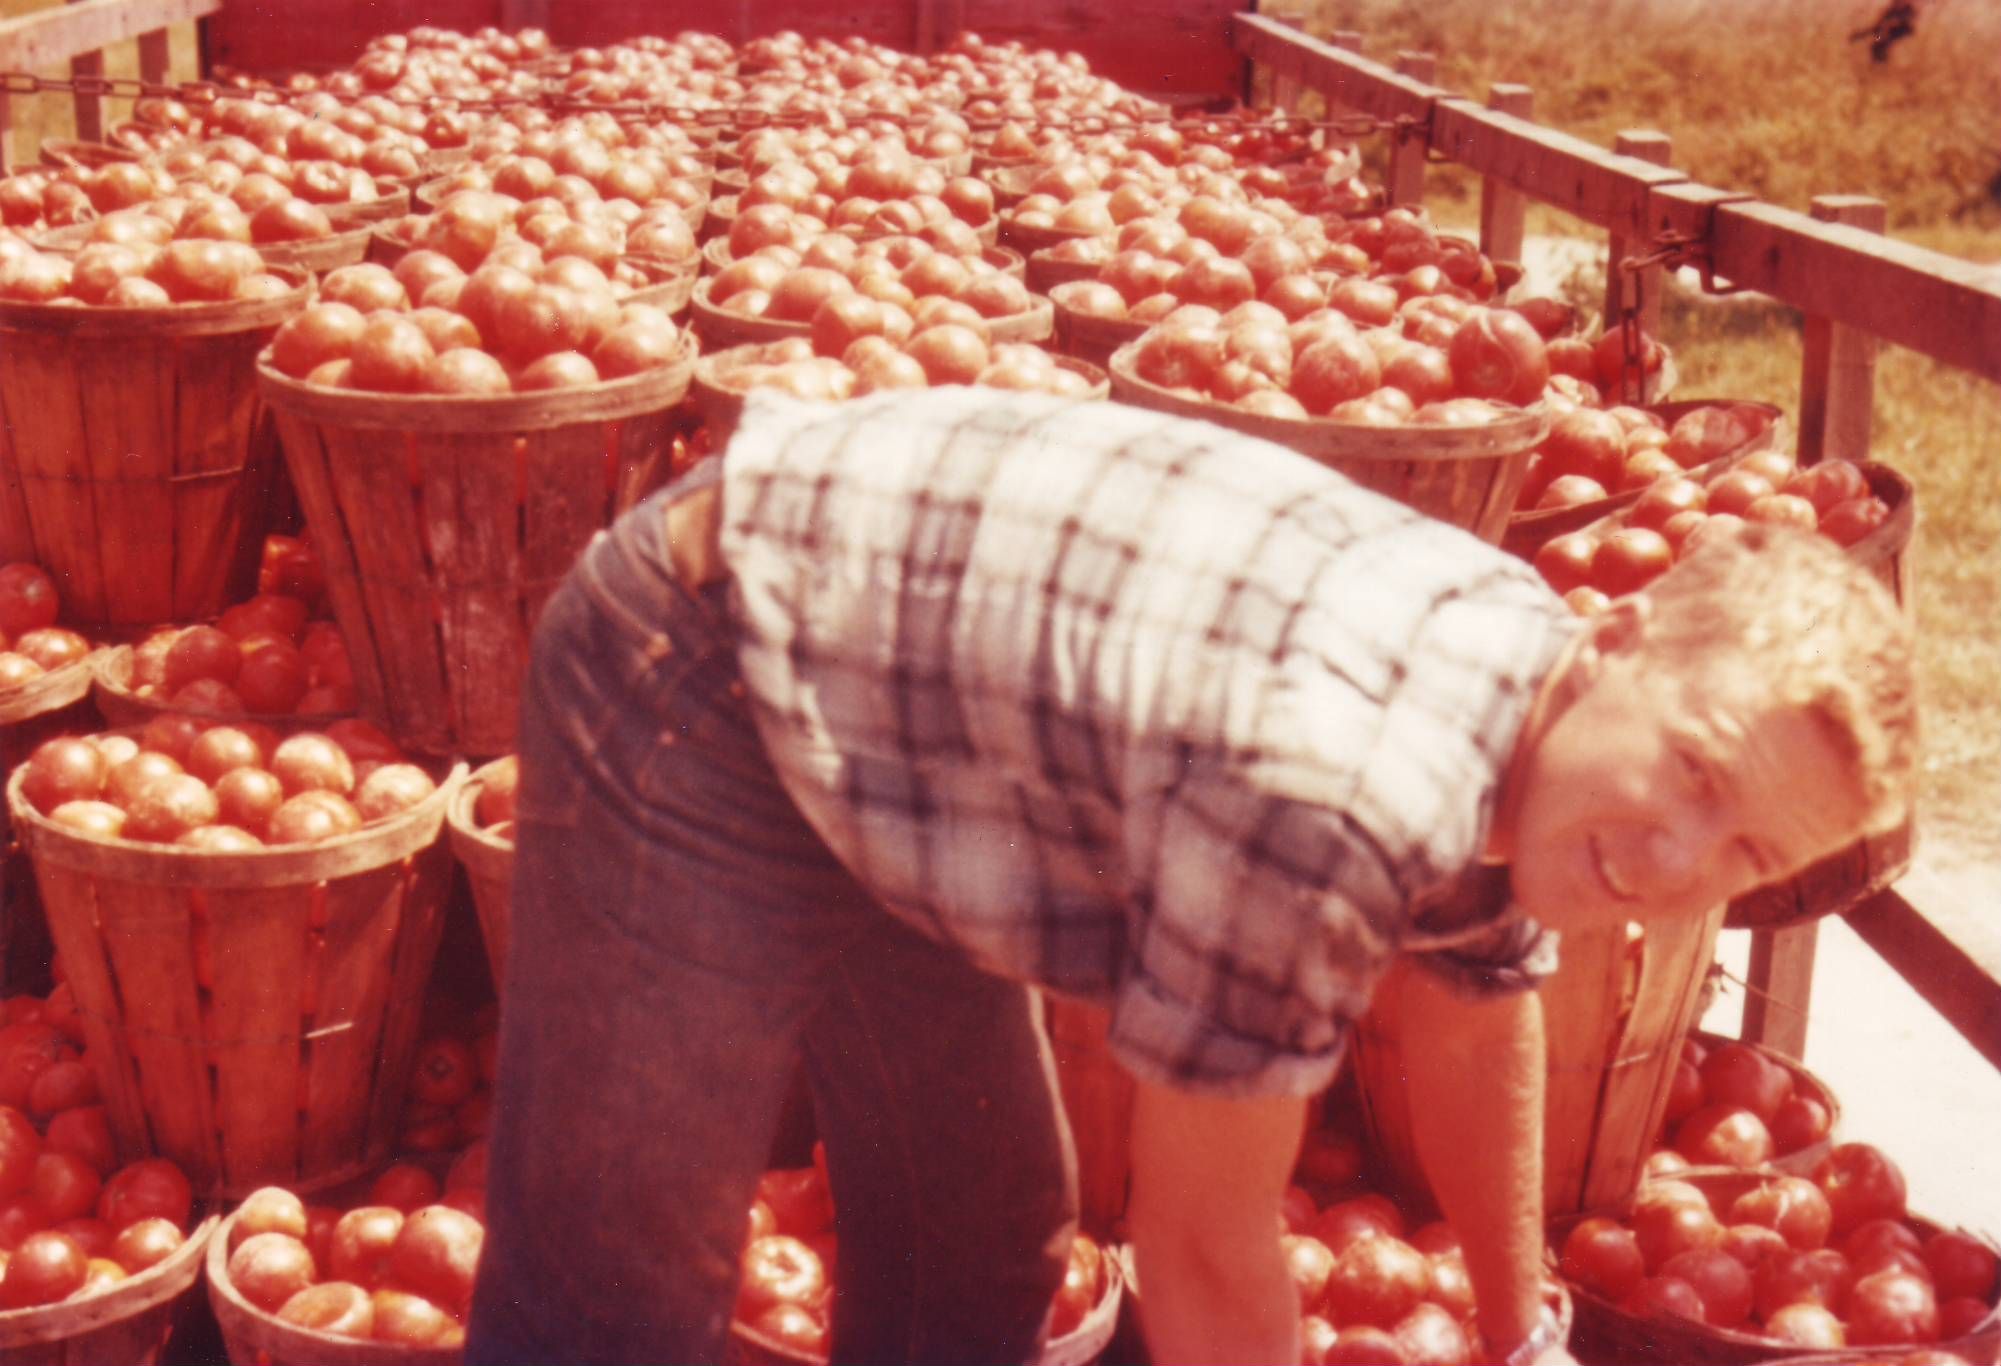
{"x": 1779, "y": 981}
{"x": 89, "y": 108}
{"x": 155, "y": 57}
{"x": 1408, "y": 154}
{"x": 1503, "y": 208}
{"x": 1838, "y": 373}
{"x": 1643, "y": 289}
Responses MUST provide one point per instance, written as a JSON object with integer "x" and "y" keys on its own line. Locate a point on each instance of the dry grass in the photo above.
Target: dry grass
{"x": 1770, "y": 97}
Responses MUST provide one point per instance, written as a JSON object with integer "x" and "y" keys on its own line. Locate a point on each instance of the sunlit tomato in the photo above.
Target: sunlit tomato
{"x": 26, "y": 1051}
{"x": 413, "y": 1320}
{"x": 267, "y": 1269}
{"x": 1307, "y": 1259}
{"x": 1828, "y": 484}
{"x": 1565, "y": 561}
{"x": 1806, "y": 1325}
{"x": 360, "y": 1245}
{"x": 1376, "y": 1281}
{"x": 436, "y": 1255}
{"x": 1629, "y": 559}
{"x": 1586, "y": 442}
{"x": 1736, "y": 491}
{"x": 1363, "y": 1216}
{"x": 52, "y": 647}
{"x": 1790, "y": 1205}
{"x": 64, "y": 769}
{"x": 338, "y": 1307}
{"x": 45, "y": 1268}
{"x": 1887, "y": 1307}
{"x": 146, "y": 1243}
{"x": 1819, "y": 1277}
{"x": 1667, "y": 1229}
{"x": 151, "y": 1187}
{"x": 1570, "y": 490}
{"x": 1725, "y": 1135}
{"x": 779, "y": 1270}
{"x": 269, "y": 1209}
{"x": 1720, "y": 1281}
{"x": 1751, "y": 1244}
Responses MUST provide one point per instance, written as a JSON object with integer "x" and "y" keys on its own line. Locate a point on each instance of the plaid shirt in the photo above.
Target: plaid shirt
{"x": 1135, "y": 709}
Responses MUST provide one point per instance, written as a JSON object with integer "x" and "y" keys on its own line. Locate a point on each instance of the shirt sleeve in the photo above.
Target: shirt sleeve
{"x": 1251, "y": 953}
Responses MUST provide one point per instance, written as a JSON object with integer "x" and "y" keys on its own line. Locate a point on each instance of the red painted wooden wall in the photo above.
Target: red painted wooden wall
{"x": 1179, "y": 47}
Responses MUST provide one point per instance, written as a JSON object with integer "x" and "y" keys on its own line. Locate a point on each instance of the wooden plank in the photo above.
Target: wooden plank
{"x": 1644, "y": 289}
{"x": 1947, "y": 308}
{"x": 48, "y": 38}
{"x": 353, "y": 971}
{"x": 1345, "y": 79}
{"x": 1959, "y": 979}
{"x": 1409, "y": 147}
{"x": 260, "y": 940}
{"x": 1838, "y": 364}
{"x": 155, "y": 56}
{"x": 427, "y": 882}
{"x": 49, "y": 440}
{"x": 6, "y": 135}
{"x": 1503, "y": 208}
{"x": 472, "y": 515}
{"x": 128, "y": 455}
{"x": 1780, "y": 978}
{"x": 89, "y": 107}
{"x": 1567, "y": 172}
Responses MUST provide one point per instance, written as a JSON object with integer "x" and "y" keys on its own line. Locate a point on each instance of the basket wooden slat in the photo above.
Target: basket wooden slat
{"x": 1046, "y": 272}
{"x": 138, "y": 463}
{"x": 388, "y": 204}
{"x": 445, "y": 523}
{"x": 126, "y": 1325}
{"x": 1467, "y": 476}
{"x": 194, "y": 972}
{"x": 1087, "y": 336}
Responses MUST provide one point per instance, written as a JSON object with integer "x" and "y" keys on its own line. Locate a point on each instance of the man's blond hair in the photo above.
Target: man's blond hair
{"x": 1818, "y": 629}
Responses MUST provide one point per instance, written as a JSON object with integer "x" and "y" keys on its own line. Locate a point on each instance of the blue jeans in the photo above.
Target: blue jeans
{"x": 681, "y": 941}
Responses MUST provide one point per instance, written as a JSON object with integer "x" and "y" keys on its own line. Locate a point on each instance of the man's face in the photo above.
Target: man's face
{"x": 1651, "y": 796}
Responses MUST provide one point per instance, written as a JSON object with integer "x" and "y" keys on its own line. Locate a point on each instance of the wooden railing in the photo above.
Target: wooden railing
{"x": 1854, "y": 287}
{"x": 76, "y": 35}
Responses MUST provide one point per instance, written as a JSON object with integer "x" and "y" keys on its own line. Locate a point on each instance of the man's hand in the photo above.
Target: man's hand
{"x": 1475, "y": 1074}
{"x": 1208, "y": 1179}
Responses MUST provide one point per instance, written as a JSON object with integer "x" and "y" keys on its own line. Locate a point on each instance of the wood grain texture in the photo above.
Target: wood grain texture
{"x": 1344, "y": 78}
{"x": 1556, "y": 168}
{"x": 1503, "y": 208}
{"x": 50, "y": 37}
{"x": 259, "y": 946}
{"x": 1838, "y": 363}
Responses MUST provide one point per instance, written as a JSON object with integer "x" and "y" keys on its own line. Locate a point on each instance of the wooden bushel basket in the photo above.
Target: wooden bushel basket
{"x": 127, "y": 1325}
{"x": 1529, "y": 529}
{"x": 1087, "y": 336}
{"x": 1468, "y": 476}
{"x": 1849, "y": 876}
{"x": 1605, "y": 1332}
{"x": 137, "y": 464}
{"x": 444, "y": 523}
{"x": 254, "y": 1016}
{"x": 57, "y": 703}
{"x": 1079, "y": 1347}
{"x": 111, "y": 685}
{"x": 1614, "y": 1016}
{"x": 252, "y": 1337}
{"x": 489, "y": 863}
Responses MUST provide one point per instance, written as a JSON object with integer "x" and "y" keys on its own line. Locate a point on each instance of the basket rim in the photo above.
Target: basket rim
{"x": 224, "y": 317}
{"x": 1521, "y": 429}
{"x": 111, "y": 675}
{"x": 606, "y": 401}
{"x": 373, "y": 846}
{"x": 129, "y": 1298}
{"x": 1094, "y": 1332}
{"x": 48, "y": 692}
{"x": 467, "y": 835}
{"x": 282, "y": 1340}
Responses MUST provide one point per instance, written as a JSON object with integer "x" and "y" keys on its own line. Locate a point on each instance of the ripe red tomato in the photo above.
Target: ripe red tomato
{"x": 1736, "y": 491}
{"x": 269, "y": 1209}
{"x": 28, "y": 600}
{"x": 802, "y": 1329}
{"x": 1890, "y": 1307}
{"x": 1738, "y": 1074}
{"x": 1801, "y": 1122}
{"x": 152, "y": 1187}
{"x": 1629, "y": 559}
{"x": 1806, "y": 1325}
{"x": 444, "y": 1073}
{"x": 413, "y": 1320}
{"x": 1083, "y": 1284}
{"x": 1819, "y": 1277}
{"x": 359, "y": 1247}
{"x": 1961, "y": 1266}
{"x": 1603, "y": 1256}
{"x": 1725, "y": 1135}
{"x": 436, "y": 1255}
{"x": 45, "y": 1268}
{"x": 1720, "y": 1281}
{"x": 1565, "y": 561}
{"x": 1309, "y": 1262}
{"x": 1751, "y": 1244}
{"x": 63, "y": 1186}
{"x": 1376, "y": 1281}
{"x": 146, "y": 1243}
{"x": 1664, "y": 1296}
{"x": 1792, "y": 1206}
{"x": 338, "y": 1307}
{"x": 1666, "y": 1229}
{"x": 1846, "y": 523}
{"x": 20, "y": 1146}
{"x": 1570, "y": 490}
{"x": 799, "y": 1200}
{"x": 404, "y": 1186}
{"x": 1828, "y": 484}
{"x": 1665, "y": 499}
{"x": 1861, "y": 1183}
